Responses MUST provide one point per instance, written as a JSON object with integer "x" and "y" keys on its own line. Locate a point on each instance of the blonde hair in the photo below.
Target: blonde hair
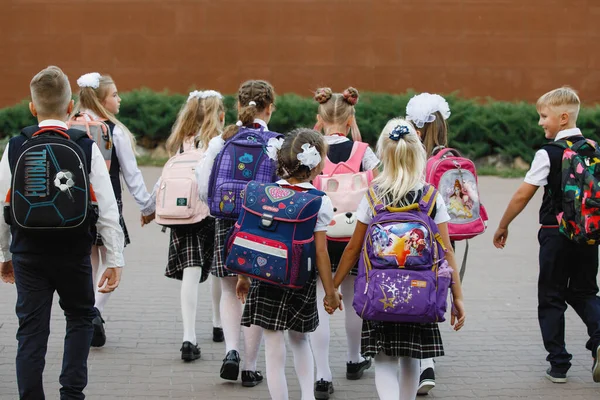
{"x": 198, "y": 117}
{"x": 288, "y": 165}
{"x": 403, "y": 162}
{"x": 91, "y": 99}
{"x": 50, "y": 92}
{"x": 260, "y": 92}
{"x": 337, "y": 108}
{"x": 563, "y": 99}
{"x": 434, "y": 134}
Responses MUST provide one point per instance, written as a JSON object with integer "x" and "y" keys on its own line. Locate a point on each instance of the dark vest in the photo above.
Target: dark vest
{"x": 340, "y": 152}
{"x": 551, "y": 202}
{"x": 115, "y": 167}
{"x": 55, "y": 244}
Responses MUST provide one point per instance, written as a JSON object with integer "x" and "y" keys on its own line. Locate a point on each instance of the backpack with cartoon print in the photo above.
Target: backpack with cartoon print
{"x": 579, "y": 214}
{"x": 242, "y": 159}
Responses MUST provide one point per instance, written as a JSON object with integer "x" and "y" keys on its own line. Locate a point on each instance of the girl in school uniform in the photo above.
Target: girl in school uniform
{"x": 99, "y": 100}
{"x": 335, "y": 117}
{"x": 300, "y": 157}
{"x": 404, "y": 344}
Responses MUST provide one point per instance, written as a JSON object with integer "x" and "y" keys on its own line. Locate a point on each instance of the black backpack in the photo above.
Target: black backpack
{"x": 50, "y": 188}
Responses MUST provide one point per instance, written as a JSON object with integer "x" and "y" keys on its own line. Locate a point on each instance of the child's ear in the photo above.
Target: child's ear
{"x": 32, "y": 109}
{"x": 222, "y": 117}
{"x": 564, "y": 118}
{"x": 70, "y": 108}
{"x": 420, "y": 134}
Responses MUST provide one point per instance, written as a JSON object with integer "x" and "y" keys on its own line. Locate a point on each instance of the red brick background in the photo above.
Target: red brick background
{"x": 506, "y": 49}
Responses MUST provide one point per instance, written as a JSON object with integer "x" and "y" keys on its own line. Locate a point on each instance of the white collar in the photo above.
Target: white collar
{"x": 261, "y": 123}
{"x": 335, "y": 139}
{"x": 52, "y": 122}
{"x": 567, "y": 133}
{"x": 303, "y": 185}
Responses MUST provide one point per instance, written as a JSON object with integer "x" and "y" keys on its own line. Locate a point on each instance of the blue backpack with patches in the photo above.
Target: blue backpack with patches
{"x": 273, "y": 239}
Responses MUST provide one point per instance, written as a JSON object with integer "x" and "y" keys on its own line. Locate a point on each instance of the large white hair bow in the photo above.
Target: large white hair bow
{"x": 89, "y": 80}
{"x": 309, "y": 156}
{"x": 421, "y": 108}
{"x": 273, "y": 146}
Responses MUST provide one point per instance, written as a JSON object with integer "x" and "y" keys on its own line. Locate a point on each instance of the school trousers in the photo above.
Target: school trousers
{"x": 37, "y": 278}
{"x": 568, "y": 275}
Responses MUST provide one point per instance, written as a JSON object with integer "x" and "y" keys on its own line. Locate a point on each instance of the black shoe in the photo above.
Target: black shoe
{"x": 218, "y": 335}
{"x": 355, "y": 371}
{"x": 189, "y": 351}
{"x": 596, "y": 366}
{"x": 323, "y": 389}
{"x": 99, "y": 337}
{"x": 251, "y": 378}
{"x": 231, "y": 366}
{"x": 426, "y": 381}
{"x": 555, "y": 376}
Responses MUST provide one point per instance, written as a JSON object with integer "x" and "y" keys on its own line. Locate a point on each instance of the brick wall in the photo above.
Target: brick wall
{"x": 506, "y": 49}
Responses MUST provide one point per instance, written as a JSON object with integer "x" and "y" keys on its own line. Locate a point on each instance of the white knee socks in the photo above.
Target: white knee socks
{"x": 189, "y": 302}
{"x": 98, "y": 256}
{"x": 319, "y": 339}
{"x": 215, "y": 290}
{"x": 387, "y": 370}
{"x": 275, "y": 360}
{"x": 352, "y": 320}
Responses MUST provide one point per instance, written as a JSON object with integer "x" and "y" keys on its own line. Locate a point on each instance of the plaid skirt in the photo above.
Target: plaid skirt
{"x": 222, "y": 228}
{"x": 98, "y": 241}
{"x": 277, "y": 309}
{"x": 335, "y": 250}
{"x": 401, "y": 339}
{"x": 191, "y": 247}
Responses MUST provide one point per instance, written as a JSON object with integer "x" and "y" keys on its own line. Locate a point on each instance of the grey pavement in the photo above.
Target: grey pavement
{"x": 497, "y": 355}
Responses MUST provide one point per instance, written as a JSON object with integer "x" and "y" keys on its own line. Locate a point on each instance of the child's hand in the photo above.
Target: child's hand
{"x": 458, "y": 314}
{"x": 110, "y": 279}
{"x": 7, "y": 273}
{"x": 148, "y": 218}
{"x": 333, "y": 302}
{"x": 242, "y": 288}
{"x": 500, "y": 237}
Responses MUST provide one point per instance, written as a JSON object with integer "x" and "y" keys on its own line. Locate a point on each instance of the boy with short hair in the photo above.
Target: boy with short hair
{"x": 57, "y": 259}
{"x": 568, "y": 270}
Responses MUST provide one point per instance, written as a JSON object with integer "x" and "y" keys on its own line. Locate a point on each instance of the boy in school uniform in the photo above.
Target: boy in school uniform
{"x": 58, "y": 260}
{"x": 568, "y": 271}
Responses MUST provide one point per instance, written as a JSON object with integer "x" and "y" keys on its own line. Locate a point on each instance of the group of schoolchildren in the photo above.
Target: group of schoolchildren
{"x": 291, "y": 227}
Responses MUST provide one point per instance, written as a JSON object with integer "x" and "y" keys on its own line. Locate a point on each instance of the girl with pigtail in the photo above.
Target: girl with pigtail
{"x": 191, "y": 248}
{"x": 99, "y": 100}
{"x": 336, "y": 118}
{"x": 255, "y": 106}
{"x": 275, "y": 309}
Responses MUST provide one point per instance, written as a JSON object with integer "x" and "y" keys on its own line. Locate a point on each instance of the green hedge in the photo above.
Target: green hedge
{"x": 478, "y": 128}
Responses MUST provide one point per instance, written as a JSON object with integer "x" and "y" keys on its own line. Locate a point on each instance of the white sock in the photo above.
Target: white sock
{"x": 275, "y": 362}
{"x": 409, "y": 378}
{"x": 189, "y": 302}
{"x": 252, "y": 337}
{"x": 215, "y": 290}
{"x": 386, "y": 377}
{"x": 352, "y": 320}
{"x": 319, "y": 339}
{"x": 231, "y": 313}
{"x": 98, "y": 256}
{"x": 426, "y": 363}
{"x": 303, "y": 363}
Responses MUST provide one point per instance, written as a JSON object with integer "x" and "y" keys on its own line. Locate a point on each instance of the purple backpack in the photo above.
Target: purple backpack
{"x": 242, "y": 159}
{"x": 398, "y": 272}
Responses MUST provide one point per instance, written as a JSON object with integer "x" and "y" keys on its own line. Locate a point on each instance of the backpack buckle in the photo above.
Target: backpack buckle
{"x": 266, "y": 220}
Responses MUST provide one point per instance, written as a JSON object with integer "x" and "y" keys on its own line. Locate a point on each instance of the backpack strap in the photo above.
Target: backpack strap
{"x": 374, "y": 203}
{"x": 445, "y": 152}
{"x": 428, "y": 199}
{"x": 356, "y": 156}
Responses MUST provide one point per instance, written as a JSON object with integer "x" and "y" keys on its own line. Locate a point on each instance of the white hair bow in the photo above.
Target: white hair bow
{"x": 273, "y": 146}
{"x": 309, "y": 156}
{"x": 421, "y": 108}
{"x": 89, "y": 80}
{"x": 210, "y": 93}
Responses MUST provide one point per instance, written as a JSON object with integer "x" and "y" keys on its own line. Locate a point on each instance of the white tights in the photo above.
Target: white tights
{"x": 215, "y": 291}
{"x": 319, "y": 339}
{"x": 189, "y": 302}
{"x": 393, "y": 384}
{"x": 231, "y": 316}
{"x": 275, "y": 359}
{"x": 98, "y": 258}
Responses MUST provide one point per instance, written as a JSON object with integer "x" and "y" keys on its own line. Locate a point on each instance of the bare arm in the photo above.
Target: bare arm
{"x": 517, "y": 204}
{"x": 458, "y": 312}
{"x": 351, "y": 253}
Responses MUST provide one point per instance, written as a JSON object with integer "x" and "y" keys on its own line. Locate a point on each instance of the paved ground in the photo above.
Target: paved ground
{"x": 498, "y": 355}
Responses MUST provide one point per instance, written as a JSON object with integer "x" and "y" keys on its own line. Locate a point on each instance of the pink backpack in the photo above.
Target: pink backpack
{"x": 346, "y": 185}
{"x": 98, "y": 131}
{"x": 177, "y": 201}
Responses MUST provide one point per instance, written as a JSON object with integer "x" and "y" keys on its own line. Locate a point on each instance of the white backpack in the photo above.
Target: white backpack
{"x": 346, "y": 185}
{"x": 177, "y": 202}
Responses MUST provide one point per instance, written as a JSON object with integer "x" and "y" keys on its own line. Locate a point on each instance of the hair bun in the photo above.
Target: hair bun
{"x": 323, "y": 95}
{"x": 351, "y": 96}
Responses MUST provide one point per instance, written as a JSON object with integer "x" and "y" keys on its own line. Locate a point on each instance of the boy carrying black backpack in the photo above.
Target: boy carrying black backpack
{"x": 57, "y": 187}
